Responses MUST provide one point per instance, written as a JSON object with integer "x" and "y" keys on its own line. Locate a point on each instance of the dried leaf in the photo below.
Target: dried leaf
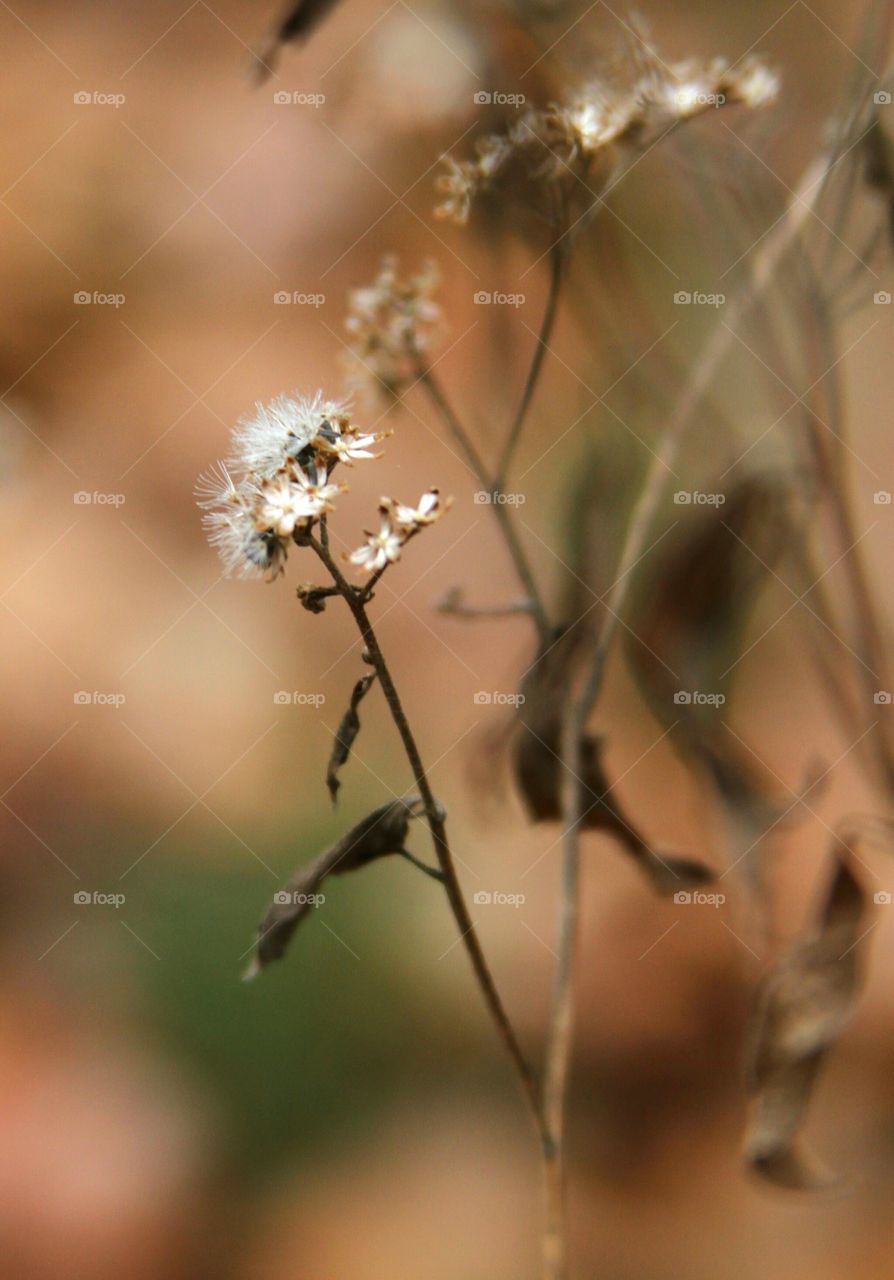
{"x": 537, "y": 768}
{"x": 378, "y": 835}
{"x": 346, "y": 734}
{"x": 801, "y": 1010}
{"x": 297, "y": 23}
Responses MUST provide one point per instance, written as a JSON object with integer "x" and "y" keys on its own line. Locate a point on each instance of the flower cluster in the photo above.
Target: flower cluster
{"x": 396, "y": 526}
{"x": 602, "y": 125}
{"x": 392, "y": 324}
{"x": 279, "y": 480}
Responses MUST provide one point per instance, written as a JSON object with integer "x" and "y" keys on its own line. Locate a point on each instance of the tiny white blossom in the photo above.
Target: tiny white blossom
{"x": 380, "y": 549}
{"x": 430, "y": 509}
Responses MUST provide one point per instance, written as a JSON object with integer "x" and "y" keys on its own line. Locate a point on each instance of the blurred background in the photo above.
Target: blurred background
{"x": 350, "y": 1115}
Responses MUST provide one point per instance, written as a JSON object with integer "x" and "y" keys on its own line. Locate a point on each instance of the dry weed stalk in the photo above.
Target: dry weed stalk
{"x": 557, "y": 162}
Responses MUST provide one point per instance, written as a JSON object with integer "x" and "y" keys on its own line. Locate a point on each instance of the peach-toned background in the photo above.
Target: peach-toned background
{"x": 350, "y": 1116}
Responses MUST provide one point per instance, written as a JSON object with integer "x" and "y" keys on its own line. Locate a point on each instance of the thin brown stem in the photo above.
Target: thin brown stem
{"x": 556, "y": 276}
{"x": 438, "y": 828}
{"x": 501, "y": 510}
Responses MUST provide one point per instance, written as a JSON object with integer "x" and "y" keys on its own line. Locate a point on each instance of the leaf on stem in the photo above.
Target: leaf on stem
{"x": 346, "y": 734}
{"x": 802, "y": 1007}
{"x": 378, "y": 835}
{"x": 538, "y": 769}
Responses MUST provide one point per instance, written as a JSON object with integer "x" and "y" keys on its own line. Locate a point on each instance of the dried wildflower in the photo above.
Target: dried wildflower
{"x": 392, "y": 325}
{"x": 430, "y": 509}
{"x": 595, "y": 131}
{"x": 398, "y": 524}
{"x": 380, "y": 549}
{"x": 278, "y": 482}
{"x": 803, "y": 1006}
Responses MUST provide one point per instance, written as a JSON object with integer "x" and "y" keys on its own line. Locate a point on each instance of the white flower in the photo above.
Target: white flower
{"x": 350, "y": 446}
{"x": 380, "y": 549}
{"x": 280, "y": 431}
{"x": 390, "y": 324}
{"x": 246, "y": 551}
{"x": 430, "y": 509}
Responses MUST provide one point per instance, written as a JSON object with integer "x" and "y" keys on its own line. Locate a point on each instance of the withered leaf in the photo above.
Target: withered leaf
{"x": 297, "y": 23}
{"x": 346, "y": 734}
{"x": 537, "y": 767}
{"x": 378, "y": 835}
{"x": 802, "y": 1007}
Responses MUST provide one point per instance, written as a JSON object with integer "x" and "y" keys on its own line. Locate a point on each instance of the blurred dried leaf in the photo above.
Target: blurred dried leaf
{"x": 378, "y": 835}
{"x": 297, "y": 23}
{"x": 537, "y": 768}
{"x": 346, "y": 734}
{"x": 801, "y": 1010}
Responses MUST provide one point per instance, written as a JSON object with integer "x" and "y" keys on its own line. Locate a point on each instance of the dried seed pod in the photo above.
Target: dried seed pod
{"x": 378, "y": 835}
{"x": 346, "y": 734}
{"x": 802, "y": 1007}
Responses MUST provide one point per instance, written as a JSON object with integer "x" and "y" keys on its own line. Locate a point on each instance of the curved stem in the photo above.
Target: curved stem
{"x": 503, "y": 514}
{"x": 557, "y": 264}
{"x": 438, "y": 828}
